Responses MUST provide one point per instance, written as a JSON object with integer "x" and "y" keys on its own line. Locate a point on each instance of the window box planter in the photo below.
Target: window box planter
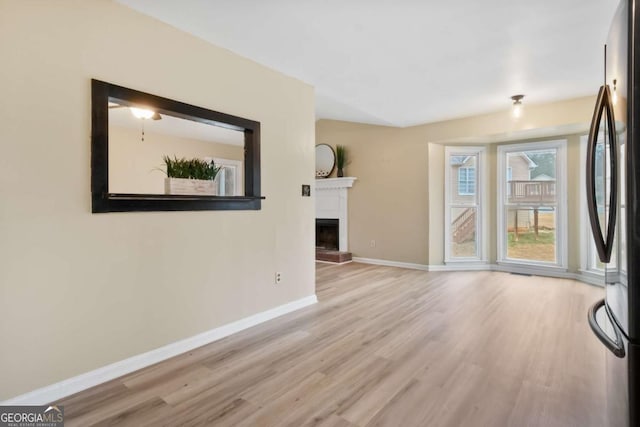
{"x": 183, "y": 186}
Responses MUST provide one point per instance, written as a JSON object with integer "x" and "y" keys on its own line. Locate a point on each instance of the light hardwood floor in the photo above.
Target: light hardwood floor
{"x": 384, "y": 347}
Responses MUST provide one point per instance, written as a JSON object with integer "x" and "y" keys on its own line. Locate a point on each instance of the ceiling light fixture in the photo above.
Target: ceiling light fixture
{"x": 144, "y": 114}
{"x": 141, "y": 113}
{"x": 517, "y": 105}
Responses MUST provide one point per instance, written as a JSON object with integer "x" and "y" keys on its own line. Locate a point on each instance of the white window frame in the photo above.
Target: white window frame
{"x": 561, "y": 207}
{"x": 622, "y": 209}
{"x": 588, "y": 257}
{"x": 481, "y": 203}
{"x": 588, "y": 253}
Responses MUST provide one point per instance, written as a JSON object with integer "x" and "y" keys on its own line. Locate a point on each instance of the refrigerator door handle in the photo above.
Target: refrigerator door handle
{"x": 604, "y": 245}
{"x": 617, "y": 346}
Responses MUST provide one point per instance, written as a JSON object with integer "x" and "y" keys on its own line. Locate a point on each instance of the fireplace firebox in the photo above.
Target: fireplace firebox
{"x": 327, "y": 234}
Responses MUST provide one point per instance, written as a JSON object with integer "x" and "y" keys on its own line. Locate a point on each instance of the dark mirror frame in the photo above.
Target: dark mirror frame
{"x": 104, "y": 201}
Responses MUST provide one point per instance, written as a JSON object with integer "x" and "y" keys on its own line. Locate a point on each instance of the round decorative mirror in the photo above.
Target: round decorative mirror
{"x": 325, "y": 160}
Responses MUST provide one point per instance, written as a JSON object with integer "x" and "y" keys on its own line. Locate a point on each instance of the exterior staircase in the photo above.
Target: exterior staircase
{"x": 464, "y": 226}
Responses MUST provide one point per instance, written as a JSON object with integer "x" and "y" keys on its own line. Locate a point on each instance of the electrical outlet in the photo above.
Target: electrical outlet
{"x": 278, "y": 277}
{"x": 373, "y": 243}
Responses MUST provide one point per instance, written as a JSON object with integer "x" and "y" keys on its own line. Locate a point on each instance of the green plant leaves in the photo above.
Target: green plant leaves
{"x": 341, "y": 156}
{"x": 191, "y": 168}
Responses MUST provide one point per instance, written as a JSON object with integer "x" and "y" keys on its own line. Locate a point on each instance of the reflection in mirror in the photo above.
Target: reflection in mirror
{"x": 325, "y": 160}
{"x": 142, "y": 141}
{"x": 150, "y": 153}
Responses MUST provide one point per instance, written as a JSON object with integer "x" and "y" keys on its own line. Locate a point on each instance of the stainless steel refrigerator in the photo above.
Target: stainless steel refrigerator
{"x": 613, "y": 197}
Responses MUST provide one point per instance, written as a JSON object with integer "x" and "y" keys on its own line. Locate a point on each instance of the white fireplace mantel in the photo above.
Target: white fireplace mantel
{"x": 331, "y": 203}
{"x": 330, "y": 183}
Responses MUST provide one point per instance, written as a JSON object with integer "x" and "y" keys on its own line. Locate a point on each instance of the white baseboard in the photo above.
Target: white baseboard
{"x": 560, "y": 273}
{"x": 101, "y": 375}
{"x": 589, "y": 278}
{"x": 459, "y": 266}
{"x": 426, "y": 267}
{"x": 391, "y": 263}
{"x": 334, "y": 263}
{"x": 582, "y": 276}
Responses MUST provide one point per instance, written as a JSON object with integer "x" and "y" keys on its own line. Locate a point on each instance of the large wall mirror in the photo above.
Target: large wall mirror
{"x": 155, "y": 154}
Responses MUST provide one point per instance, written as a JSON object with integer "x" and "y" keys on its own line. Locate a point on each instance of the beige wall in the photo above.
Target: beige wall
{"x": 136, "y": 166}
{"x": 398, "y": 199}
{"x": 79, "y": 291}
{"x": 389, "y": 202}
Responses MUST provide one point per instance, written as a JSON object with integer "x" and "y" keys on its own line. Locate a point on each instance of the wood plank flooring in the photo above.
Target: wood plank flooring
{"x": 384, "y": 347}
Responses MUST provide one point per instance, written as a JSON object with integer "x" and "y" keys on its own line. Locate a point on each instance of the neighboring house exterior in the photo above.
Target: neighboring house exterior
{"x": 463, "y": 182}
{"x": 519, "y": 167}
{"x": 526, "y": 217}
{"x": 543, "y": 177}
{"x": 463, "y": 173}
{"x": 463, "y": 178}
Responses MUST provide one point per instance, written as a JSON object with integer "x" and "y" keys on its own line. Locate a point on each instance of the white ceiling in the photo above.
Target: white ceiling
{"x": 407, "y": 62}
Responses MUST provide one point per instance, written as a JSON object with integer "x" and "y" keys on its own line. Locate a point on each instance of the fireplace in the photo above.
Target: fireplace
{"x": 327, "y": 234}
{"x": 332, "y": 231}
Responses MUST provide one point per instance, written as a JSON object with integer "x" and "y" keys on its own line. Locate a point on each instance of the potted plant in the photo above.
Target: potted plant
{"x": 341, "y": 159}
{"x": 190, "y": 176}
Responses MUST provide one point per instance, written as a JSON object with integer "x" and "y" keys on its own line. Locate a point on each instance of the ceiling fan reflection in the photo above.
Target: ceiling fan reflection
{"x": 140, "y": 113}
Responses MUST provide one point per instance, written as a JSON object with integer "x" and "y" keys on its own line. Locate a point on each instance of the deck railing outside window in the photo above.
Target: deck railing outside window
{"x": 531, "y": 192}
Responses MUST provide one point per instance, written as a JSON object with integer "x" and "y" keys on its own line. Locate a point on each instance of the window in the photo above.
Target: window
{"x": 466, "y": 181}
{"x": 590, "y": 261}
{"x": 229, "y": 180}
{"x": 532, "y": 204}
{"x": 620, "y": 252}
{"x": 589, "y": 257}
{"x": 464, "y": 214}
